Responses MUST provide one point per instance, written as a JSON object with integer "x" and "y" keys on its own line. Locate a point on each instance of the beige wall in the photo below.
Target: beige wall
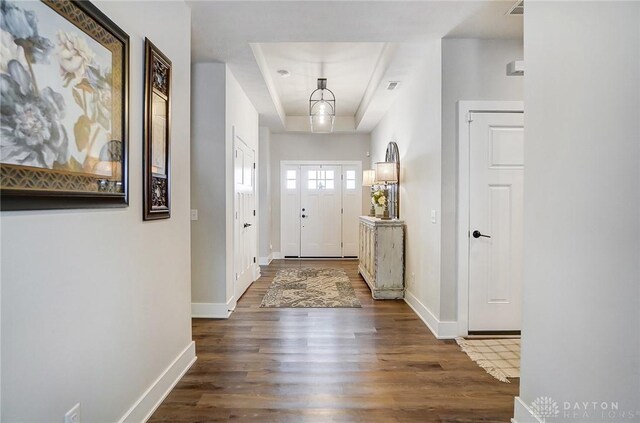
{"x": 300, "y": 146}
{"x": 95, "y": 303}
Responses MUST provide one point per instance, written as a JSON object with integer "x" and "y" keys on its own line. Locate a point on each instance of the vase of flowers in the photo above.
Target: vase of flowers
{"x": 378, "y": 200}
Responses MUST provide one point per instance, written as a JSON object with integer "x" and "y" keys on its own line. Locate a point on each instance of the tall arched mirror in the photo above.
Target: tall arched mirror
{"x": 393, "y": 155}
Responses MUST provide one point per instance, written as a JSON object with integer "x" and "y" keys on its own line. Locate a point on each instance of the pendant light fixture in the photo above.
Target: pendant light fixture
{"x": 322, "y": 108}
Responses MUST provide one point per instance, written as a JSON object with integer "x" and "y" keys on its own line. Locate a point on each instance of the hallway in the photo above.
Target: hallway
{"x": 378, "y": 363}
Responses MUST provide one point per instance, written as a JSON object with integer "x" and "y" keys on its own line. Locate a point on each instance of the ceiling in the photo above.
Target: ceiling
{"x": 363, "y": 45}
{"x": 348, "y": 68}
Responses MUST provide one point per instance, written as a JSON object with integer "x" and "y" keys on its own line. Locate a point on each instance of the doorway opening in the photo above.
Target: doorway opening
{"x": 319, "y": 210}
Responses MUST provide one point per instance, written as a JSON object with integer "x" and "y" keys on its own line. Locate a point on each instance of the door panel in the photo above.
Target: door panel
{"x": 245, "y": 228}
{"x": 320, "y": 204}
{"x": 496, "y": 211}
{"x": 290, "y": 210}
{"x": 351, "y": 208}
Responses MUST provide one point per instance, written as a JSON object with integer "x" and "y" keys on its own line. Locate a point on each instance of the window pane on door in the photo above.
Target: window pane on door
{"x": 291, "y": 179}
{"x": 321, "y": 179}
{"x": 350, "y": 178}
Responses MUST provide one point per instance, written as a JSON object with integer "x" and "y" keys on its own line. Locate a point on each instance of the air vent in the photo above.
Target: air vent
{"x": 392, "y": 85}
{"x": 517, "y": 9}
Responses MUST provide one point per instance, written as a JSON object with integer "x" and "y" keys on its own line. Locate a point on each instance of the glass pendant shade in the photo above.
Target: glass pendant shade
{"x": 322, "y": 123}
{"x": 322, "y": 110}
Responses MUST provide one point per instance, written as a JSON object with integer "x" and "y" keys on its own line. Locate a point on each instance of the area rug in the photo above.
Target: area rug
{"x": 499, "y": 357}
{"x": 310, "y": 287}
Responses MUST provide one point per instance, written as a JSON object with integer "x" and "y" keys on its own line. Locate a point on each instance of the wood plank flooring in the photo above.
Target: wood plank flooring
{"x": 378, "y": 363}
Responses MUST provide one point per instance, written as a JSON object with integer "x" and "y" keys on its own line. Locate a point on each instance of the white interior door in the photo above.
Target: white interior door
{"x": 320, "y": 208}
{"x": 351, "y": 208}
{"x": 245, "y": 229}
{"x": 495, "y": 224}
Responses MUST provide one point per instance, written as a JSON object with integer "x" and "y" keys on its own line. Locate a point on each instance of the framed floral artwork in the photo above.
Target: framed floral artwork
{"x": 157, "y": 128}
{"x": 64, "y": 76}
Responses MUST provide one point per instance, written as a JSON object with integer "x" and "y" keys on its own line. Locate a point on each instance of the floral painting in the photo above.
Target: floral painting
{"x": 58, "y": 81}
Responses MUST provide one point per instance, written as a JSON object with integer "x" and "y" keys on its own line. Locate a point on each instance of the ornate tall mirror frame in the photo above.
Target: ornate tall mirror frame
{"x": 157, "y": 129}
{"x": 393, "y": 155}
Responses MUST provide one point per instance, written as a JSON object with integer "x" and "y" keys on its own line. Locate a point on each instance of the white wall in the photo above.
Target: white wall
{"x": 472, "y": 69}
{"x": 242, "y": 121}
{"x": 208, "y": 176}
{"x": 414, "y": 122}
{"x": 423, "y": 122}
{"x": 301, "y": 146}
{"x": 581, "y": 321}
{"x": 220, "y": 110}
{"x": 95, "y": 303}
{"x": 264, "y": 177}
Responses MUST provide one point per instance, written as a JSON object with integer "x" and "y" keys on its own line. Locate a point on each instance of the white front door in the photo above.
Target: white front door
{"x": 320, "y": 207}
{"x": 495, "y": 224}
{"x": 245, "y": 230}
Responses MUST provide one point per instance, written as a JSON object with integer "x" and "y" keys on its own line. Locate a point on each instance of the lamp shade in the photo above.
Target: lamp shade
{"x": 387, "y": 172}
{"x": 368, "y": 178}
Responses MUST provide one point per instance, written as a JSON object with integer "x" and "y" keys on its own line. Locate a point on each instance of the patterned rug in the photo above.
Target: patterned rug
{"x": 499, "y": 357}
{"x": 310, "y": 287}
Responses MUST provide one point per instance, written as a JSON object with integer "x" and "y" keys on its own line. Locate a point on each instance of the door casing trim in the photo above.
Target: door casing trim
{"x": 463, "y": 206}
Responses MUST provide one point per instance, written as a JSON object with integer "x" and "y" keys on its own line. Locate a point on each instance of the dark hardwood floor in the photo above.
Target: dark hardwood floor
{"x": 378, "y": 363}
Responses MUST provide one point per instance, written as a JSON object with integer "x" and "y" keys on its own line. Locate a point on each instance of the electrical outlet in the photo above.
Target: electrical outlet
{"x": 73, "y": 415}
{"x": 412, "y": 281}
{"x": 194, "y": 214}
{"x": 434, "y": 215}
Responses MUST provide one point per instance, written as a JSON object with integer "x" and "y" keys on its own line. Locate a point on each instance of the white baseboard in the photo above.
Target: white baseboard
{"x": 265, "y": 261}
{"x": 142, "y": 410}
{"x": 212, "y": 310}
{"x": 522, "y": 413}
{"x": 441, "y": 330}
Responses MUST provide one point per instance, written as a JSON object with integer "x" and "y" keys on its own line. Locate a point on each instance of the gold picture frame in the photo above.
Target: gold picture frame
{"x": 65, "y": 109}
{"x": 157, "y": 130}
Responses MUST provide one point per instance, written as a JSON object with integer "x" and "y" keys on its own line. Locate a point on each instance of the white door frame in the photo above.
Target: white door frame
{"x": 284, "y": 163}
{"x": 463, "y": 209}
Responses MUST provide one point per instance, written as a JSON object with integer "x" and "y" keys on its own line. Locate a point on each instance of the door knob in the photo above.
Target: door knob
{"x": 246, "y": 225}
{"x": 477, "y": 234}
{"x": 304, "y": 215}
